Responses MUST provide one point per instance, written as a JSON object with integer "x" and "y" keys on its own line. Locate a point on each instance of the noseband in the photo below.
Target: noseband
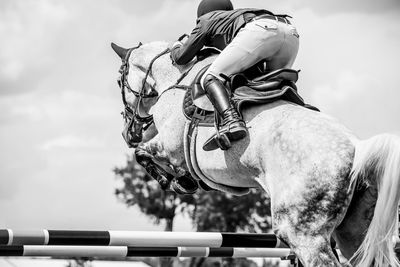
{"x": 132, "y": 117}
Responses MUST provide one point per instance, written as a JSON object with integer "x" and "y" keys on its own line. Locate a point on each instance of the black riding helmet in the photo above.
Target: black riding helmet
{"x": 206, "y": 6}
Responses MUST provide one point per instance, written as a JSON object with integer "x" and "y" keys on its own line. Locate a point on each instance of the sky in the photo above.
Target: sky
{"x": 60, "y": 122}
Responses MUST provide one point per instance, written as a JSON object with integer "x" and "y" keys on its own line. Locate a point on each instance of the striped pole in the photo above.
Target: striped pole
{"x": 127, "y": 251}
{"x": 138, "y": 238}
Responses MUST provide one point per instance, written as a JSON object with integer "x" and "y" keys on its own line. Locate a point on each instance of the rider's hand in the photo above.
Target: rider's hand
{"x": 173, "y": 45}
{"x": 184, "y": 37}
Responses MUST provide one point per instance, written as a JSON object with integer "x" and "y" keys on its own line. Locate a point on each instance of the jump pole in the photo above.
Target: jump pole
{"x": 10, "y": 237}
{"x": 126, "y": 251}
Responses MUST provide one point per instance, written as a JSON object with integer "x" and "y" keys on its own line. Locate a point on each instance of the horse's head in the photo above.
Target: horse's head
{"x": 139, "y": 87}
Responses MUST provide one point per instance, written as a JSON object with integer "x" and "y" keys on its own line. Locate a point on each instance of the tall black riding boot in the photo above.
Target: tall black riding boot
{"x": 232, "y": 128}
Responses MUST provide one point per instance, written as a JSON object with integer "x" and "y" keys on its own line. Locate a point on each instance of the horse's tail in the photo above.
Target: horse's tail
{"x": 377, "y": 160}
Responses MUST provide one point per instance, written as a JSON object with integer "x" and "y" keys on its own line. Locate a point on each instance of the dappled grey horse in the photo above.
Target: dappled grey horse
{"x": 323, "y": 182}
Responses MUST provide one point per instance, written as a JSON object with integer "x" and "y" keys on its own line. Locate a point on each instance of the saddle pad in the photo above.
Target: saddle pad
{"x": 190, "y": 137}
{"x": 189, "y": 108}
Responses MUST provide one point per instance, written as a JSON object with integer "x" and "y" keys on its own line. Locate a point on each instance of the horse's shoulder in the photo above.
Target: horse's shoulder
{"x": 194, "y": 69}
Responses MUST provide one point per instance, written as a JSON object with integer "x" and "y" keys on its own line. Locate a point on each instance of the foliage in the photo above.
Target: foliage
{"x": 79, "y": 263}
{"x": 218, "y": 211}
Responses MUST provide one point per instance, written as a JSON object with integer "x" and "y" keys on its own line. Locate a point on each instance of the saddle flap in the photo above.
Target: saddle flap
{"x": 246, "y": 95}
{"x": 279, "y": 74}
{"x": 266, "y": 86}
{"x": 267, "y": 82}
{"x": 197, "y": 89}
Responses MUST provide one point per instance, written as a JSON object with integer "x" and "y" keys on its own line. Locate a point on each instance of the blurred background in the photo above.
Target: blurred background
{"x": 62, "y": 156}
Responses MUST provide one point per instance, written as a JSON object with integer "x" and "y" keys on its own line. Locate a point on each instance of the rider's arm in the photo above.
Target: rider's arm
{"x": 183, "y": 54}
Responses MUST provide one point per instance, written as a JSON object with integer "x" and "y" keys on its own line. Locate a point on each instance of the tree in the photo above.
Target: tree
{"x": 224, "y": 212}
{"x": 140, "y": 190}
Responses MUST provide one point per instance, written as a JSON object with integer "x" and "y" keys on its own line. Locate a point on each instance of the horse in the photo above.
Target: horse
{"x": 322, "y": 180}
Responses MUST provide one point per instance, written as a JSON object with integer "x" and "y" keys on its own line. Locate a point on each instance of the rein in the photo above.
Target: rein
{"x": 132, "y": 116}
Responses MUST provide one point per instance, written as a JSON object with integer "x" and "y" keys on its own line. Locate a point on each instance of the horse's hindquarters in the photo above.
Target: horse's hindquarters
{"x": 304, "y": 158}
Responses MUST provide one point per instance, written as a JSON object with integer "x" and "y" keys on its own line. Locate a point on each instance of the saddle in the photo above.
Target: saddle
{"x": 276, "y": 85}
{"x": 266, "y": 88}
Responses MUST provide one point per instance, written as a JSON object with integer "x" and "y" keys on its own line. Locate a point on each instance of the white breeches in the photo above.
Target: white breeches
{"x": 266, "y": 39}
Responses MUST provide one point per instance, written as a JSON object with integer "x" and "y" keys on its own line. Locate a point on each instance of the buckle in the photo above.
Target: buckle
{"x": 199, "y": 114}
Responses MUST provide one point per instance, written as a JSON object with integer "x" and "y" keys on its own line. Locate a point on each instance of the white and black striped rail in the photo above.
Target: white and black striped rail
{"x": 126, "y": 251}
{"x": 138, "y": 239}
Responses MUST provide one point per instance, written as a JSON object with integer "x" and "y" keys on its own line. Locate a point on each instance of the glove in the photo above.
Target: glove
{"x": 172, "y": 46}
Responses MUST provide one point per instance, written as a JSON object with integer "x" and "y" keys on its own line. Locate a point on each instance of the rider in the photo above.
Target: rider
{"x": 246, "y": 37}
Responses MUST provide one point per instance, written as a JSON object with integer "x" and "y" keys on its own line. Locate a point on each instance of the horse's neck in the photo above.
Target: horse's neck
{"x": 168, "y": 109}
{"x": 194, "y": 68}
{"x": 166, "y": 74}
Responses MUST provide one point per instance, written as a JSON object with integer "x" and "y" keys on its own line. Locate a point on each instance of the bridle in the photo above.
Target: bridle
{"x": 133, "y": 117}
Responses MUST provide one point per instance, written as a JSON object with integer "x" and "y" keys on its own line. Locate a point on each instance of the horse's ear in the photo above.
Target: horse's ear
{"x": 121, "y": 52}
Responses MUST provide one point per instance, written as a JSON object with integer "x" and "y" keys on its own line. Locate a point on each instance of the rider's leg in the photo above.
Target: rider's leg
{"x": 251, "y": 45}
{"x": 265, "y": 39}
{"x": 262, "y": 39}
{"x": 232, "y": 125}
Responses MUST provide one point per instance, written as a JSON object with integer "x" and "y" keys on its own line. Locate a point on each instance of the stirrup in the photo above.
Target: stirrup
{"x": 224, "y": 139}
{"x": 217, "y": 140}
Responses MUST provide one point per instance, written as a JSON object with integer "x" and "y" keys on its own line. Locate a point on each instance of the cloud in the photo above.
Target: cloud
{"x": 20, "y": 160}
{"x": 326, "y": 7}
{"x": 344, "y": 6}
{"x": 27, "y": 26}
{"x": 347, "y": 85}
{"x": 145, "y": 9}
{"x": 69, "y": 142}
